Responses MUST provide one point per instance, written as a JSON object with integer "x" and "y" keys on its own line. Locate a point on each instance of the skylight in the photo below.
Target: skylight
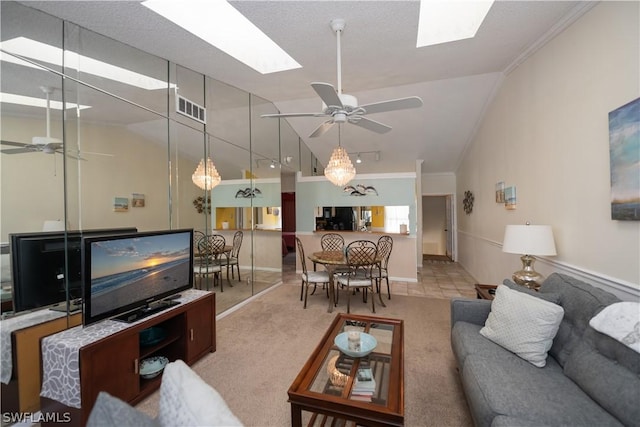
{"x": 443, "y": 21}
{"x": 219, "y": 24}
{"x": 52, "y": 55}
{"x": 10, "y": 98}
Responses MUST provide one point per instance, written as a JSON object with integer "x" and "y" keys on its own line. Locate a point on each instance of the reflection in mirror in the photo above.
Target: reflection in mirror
{"x": 387, "y": 219}
{"x": 118, "y": 69}
{"x": 190, "y": 206}
{"x": 267, "y": 233}
{"x": 228, "y": 114}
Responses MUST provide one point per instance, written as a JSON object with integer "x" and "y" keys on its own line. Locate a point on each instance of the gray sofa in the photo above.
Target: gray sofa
{"x": 589, "y": 378}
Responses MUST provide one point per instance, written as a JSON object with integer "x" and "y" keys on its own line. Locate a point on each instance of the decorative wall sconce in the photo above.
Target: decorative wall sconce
{"x": 467, "y": 202}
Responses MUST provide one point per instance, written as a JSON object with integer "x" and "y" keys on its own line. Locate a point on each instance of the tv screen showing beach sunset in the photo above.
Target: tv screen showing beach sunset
{"x": 133, "y": 269}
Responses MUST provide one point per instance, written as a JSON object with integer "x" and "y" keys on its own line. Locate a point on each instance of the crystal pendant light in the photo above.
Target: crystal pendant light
{"x": 340, "y": 170}
{"x": 206, "y": 175}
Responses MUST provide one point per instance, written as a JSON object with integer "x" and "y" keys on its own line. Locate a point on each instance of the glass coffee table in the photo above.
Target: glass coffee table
{"x": 324, "y": 386}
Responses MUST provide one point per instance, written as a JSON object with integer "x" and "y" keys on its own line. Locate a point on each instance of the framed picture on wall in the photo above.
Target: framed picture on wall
{"x": 510, "y": 197}
{"x": 624, "y": 159}
{"x": 500, "y": 192}
{"x": 137, "y": 200}
{"x": 120, "y": 204}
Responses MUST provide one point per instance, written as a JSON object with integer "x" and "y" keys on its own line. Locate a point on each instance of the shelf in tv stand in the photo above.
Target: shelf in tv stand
{"x": 190, "y": 328}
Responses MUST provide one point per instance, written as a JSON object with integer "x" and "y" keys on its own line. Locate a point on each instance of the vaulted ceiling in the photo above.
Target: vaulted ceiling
{"x": 455, "y": 80}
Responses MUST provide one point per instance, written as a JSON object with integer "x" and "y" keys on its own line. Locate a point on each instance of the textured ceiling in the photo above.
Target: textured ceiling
{"x": 379, "y": 61}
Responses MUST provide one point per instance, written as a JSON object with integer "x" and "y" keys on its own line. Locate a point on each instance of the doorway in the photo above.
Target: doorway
{"x": 437, "y": 228}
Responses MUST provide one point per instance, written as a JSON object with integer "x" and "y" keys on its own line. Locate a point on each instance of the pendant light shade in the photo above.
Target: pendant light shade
{"x": 340, "y": 170}
{"x": 206, "y": 175}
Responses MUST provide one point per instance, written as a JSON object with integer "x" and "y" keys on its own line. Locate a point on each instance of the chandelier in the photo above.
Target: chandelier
{"x": 206, "y": 175}
{"x": 340, "y": 170}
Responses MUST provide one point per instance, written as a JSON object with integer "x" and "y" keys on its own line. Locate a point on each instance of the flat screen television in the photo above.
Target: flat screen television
{"x": 128, "y": 277}
{"x": 45, "y": 264}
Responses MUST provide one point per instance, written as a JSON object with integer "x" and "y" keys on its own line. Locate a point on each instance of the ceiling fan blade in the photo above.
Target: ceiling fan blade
{"x": 295, "y": 115}
{"x": 19, "y": 150}
{"x": 14, "y": 144}
{"x": 328, "y": 94}
{"x": 369, "y": 124}
{"x": 320, "y": 130}
{"x": 392, "y": 105}
{"x": 97, "y": 154}
{"x": 61, "y": 151}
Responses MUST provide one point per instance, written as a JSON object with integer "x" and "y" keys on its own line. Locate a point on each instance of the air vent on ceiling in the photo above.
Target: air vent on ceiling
{"x": 190, "y": 109}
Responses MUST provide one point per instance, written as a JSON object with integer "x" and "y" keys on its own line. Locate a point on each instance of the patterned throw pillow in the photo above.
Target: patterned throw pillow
{"x": 186, "y": 400}
{"x": 523, "y": 324}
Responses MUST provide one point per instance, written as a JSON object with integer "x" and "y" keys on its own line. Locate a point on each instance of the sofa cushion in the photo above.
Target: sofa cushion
{"x": 512, "y": 387}
{"x": 109, "y": 411}
{"x": 581, "y": 302}
{"x": 466, "y": 340}
{"x": 186, "y": 400}
{"x": 612, "y": 380}
{"x": 523, "y": 324}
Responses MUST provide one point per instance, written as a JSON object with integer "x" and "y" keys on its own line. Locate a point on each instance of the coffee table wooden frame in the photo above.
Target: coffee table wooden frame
{"x": 365, "y": 413}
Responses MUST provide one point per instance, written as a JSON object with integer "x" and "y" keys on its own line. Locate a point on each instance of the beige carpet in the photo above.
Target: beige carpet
{"x": 262, "y": 346}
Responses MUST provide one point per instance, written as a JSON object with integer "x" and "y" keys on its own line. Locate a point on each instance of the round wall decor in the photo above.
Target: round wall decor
{"x": 467, "y": 202}
{"x": 199, "y": 204}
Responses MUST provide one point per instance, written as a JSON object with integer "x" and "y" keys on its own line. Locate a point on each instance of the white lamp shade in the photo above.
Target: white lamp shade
{"x": 529, "y": 240}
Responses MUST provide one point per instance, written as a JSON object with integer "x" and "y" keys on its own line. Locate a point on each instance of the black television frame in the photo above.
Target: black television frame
{"x": 27, "y": 268}
{"x": 141, "y": 306}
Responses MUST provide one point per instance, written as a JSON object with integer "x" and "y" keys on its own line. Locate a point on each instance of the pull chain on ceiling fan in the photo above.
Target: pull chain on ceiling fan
{"x": 344, "y": 108}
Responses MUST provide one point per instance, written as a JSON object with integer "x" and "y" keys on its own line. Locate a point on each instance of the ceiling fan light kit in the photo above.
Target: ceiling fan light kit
{"x": 340, "y": 107}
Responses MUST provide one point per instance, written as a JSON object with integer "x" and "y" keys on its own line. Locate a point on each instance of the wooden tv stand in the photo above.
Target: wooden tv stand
{"x": 111, "y": 363}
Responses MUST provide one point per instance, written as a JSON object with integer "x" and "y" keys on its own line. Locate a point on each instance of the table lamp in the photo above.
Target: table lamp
{"x": 528, "y": 240}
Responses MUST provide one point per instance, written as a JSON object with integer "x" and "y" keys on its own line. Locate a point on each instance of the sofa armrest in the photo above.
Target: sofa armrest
{"x": 473, "y": 311}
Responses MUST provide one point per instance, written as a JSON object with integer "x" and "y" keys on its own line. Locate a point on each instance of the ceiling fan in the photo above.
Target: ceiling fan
{"x": 43, "y": 144}
{"x": 343, "y": 108}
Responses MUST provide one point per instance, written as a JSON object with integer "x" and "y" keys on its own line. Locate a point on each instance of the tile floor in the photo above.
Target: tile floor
{"x": 436, "y": 279}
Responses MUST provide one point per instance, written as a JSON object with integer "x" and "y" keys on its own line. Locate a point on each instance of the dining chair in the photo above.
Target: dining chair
{"x": 385, "y": 245}
{"x": 361, "y": 256}
{"x": 309, "y": 277}
{"x": 197, "y": 236}
{"x": 232, "y": 259}
{"x": 205, "y": 265}
{"x": 333, "y": 242}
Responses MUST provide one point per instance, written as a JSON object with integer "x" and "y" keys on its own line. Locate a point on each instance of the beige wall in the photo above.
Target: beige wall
{"x": 546, "y": 133}
{"x": 32, "y": 183}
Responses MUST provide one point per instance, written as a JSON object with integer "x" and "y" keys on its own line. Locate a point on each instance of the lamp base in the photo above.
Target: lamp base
{"x": 528, "y": 277}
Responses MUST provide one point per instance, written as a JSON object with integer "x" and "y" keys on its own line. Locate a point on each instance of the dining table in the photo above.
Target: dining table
{"x": 332, "y": 260}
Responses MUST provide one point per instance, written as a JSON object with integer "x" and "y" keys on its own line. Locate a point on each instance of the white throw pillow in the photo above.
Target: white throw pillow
{"x": 523, "y": 324}
{"x": 186, "y": 400}
{"x": 621, "y": 321}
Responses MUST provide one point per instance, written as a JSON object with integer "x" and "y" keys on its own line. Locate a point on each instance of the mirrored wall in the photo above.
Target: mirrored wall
{"x": 111, "y": 151}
